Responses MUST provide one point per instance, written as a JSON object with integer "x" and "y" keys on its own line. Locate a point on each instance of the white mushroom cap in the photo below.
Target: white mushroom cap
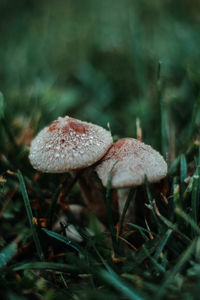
{"x": 134, "y": 161}
{"x": 68, "y": 144}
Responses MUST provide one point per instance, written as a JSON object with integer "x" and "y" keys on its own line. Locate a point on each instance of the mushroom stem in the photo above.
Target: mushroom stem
{"x": 92, "y": 193}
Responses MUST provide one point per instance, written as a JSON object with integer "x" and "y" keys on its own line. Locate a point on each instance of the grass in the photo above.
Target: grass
{"x": 105, "y": 71}
{"x": 152, "y": 260}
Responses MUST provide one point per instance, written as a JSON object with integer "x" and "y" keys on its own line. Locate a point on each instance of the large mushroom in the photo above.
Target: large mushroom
{"x": 133, "y": 161}
{"x": 67, "y": 145}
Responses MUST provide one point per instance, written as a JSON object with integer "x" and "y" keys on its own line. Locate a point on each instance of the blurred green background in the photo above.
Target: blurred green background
{"x": 98, "y": 61}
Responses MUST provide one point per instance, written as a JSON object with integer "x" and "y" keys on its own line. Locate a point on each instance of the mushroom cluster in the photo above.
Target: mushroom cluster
{"x": 69, "y": 144}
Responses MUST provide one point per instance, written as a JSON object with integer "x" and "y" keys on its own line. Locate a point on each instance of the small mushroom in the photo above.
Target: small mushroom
{"x": 70, "y": 230}
{"x": 67, "y": 145}
{"x": 135, "y": 160}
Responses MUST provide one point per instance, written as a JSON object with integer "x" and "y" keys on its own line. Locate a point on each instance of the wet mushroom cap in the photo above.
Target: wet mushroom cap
{"x": 68, "y": 144}
{"x": 134, "y": 161}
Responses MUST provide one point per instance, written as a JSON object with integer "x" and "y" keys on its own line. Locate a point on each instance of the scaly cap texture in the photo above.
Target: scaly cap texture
{"x": 134, "y": 161}
{"x": 68, "y": 144}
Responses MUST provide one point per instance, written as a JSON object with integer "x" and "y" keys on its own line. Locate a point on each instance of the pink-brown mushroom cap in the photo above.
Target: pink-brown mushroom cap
{"x": 134, "y": 160}
{"x": 68, "y": 144}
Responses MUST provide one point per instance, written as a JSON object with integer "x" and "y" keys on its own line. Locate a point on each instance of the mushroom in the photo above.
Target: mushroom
{"x": 135, "y": 160}
{"x": 67, "y": 145}
{"x": 70, "y": 230}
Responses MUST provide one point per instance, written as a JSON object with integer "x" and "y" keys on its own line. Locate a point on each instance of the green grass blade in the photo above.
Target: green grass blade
{"x": 188, "y": 220}
{"x": 1, "y": 106}
{"x": 141, "y": 228}
{"x": 102, "y": 260}
{"x": 149, "y": 196}
{"x": 59, "y": 267}
{"x": 63, "y": 239}
{"x": 30, "y": 215}
{"x": 149, "y": 286}
{"x": 126, "y": 206}
{"x": 171, "y": 274}
{"x": 177, "y": 201}
{"x": 153, "y": 260}
{"x": 118, "y": 284}
{"x": 183, "y": 173}
{"x": 143, "y": 235}
{"x": 195, "y": 202}
{"x": 174, "y": 165}
{"x": 174, "y": 227}
{"x": 7, "y": 253}
{"x": 146, "y": 250}
{"x": 189, "y": 188}
{"x": 109, "y": 209}
{"x": 163, "y": 242}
